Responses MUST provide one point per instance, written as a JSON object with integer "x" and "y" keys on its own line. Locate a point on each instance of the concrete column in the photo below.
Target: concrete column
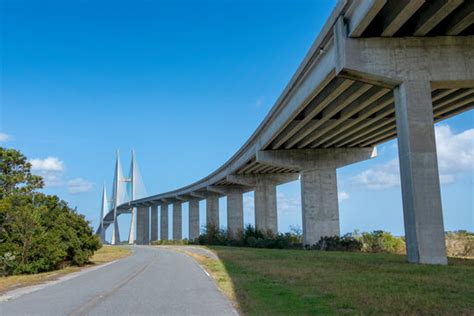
{"x": 177, "y": 221}
{"x": 266, "y": 216}
{"x": 235, "y": 213}
{"x": 319, "y": 203}
{"x": 164, "y": 222}
{"x": 424, "y": 228}
{"x": 143, "y": 225}
{"x": 193, "y": 219}
{"x": 115, "y": 232}
{"x": 154, "y": 222}
{"x": 212, "y": 210}
{"x": 131, "y": 235}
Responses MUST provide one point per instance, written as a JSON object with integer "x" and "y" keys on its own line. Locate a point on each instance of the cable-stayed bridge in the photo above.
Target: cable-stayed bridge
{"x": 379, "y": 70}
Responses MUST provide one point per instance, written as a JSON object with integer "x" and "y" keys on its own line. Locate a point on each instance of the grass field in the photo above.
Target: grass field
{"x": 103, "y": 255}
{"x": 293, "y": 282}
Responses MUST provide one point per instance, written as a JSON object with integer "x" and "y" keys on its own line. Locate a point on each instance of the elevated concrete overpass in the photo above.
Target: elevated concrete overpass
{"x": 379, "y": 69}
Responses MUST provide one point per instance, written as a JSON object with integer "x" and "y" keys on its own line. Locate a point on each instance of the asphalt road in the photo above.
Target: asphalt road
{"x": 150, "y": 282}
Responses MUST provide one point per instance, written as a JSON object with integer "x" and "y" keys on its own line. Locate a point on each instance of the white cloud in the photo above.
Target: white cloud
{"x": 78, "y": 185}
{"x": 4, "y": 137}
{"x": 288, "y": 204}
{"x": 343, "y": 195}
{"x": 47, "y": 164}
{"x": 52, "y": 170}
{"x": 455, "y": 156}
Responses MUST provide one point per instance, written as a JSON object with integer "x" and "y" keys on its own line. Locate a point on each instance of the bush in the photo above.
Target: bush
{"x": 336, "y": 243}
{"x": 170, "y": 242}
{"x": 380, "y": 241}
{"x": 460, "y": 244}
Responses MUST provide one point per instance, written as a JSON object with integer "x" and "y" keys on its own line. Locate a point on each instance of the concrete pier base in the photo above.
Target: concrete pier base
{"x": 212, "y": 210}
{"x": 320, "y": 208}
{"x": 177, "y": 221}
{"x": 193, "y": 218}
{"x": 424, "y": 228}
{"x": 143, "y": 225}
{"x": 235, "y": 213}
{"x": 164, "y": 221}
{"x": 154, "y": 222}
{"x": 266, "y": 216}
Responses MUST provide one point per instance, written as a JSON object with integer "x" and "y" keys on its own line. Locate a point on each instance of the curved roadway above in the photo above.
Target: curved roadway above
{"x": 324, "y": 106}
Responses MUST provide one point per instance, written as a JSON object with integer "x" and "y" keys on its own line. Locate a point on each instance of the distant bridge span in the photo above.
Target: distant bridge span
{"x": 378, "y": 69}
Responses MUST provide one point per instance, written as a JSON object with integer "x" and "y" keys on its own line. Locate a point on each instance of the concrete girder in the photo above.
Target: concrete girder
{"x": 317, "y": 158}
{"x": 397, "y": 13}
{"x": 250, "y": 180}
{"x": 446, "y": 62}
{"x": 363, "y": 13}
{"x": 437, "y": 11}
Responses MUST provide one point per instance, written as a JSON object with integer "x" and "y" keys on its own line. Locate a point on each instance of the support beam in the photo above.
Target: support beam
{"x": 212, "y": 210}
{"x": 397, "y": 13}
{"x": 193, "y": 218}
{"x": 177, "y": 221}
{"x": 235, "y": 207}
{"x": 266, "y": 215}
{"x": 424, "y": 228}
{"x": 319, "y": 202}
{"x": 143, "y": 225}
{"x": 164, "y": 221}
{"x": 154, "y": 222}
{"x": 320, "y": 209}
{"x": 365, "y": 12}
{"x": 437, "y": 11}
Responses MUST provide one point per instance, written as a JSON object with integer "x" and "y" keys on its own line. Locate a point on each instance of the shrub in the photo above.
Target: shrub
{"x": 380, "y": 241}
{"x": 170, "y": 242}
{"x": 336, "y": 243}
{"x": 460, "y": 244}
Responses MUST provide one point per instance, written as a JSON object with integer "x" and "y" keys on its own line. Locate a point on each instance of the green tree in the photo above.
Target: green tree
{"x": 38, "y": 232}
{"x": 15, "y": 174}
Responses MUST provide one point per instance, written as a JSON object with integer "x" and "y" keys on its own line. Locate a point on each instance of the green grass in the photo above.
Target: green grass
{"x": 292, "y": 282}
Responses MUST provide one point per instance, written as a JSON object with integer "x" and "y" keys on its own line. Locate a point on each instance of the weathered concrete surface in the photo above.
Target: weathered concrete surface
{"x": 212, "y": 210}
{"x": 193, "y": 218}
{"x": 320, "y": 207}
{"x": 177, "y": 221}
{"x": 423, "y": 216}
{"x": 266, "y": 215}
{"x": 153, "y": 281}
{"x": 143, "y": 225}
{"x": 164, "y": 221}
{"x": 154, "y": 222}
{"x": 235, "y": 213}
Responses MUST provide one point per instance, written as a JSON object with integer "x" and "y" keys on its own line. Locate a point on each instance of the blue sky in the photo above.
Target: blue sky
{"x": 184, "y": 83}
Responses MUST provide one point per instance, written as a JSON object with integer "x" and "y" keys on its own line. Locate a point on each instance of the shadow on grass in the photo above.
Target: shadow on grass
{"x": 297, "y": 282}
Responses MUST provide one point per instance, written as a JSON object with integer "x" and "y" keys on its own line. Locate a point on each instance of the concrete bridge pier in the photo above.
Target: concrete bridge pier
{"x": 164, "y": 221}
{"x": 154, "y": 222}
{"x": 212, "y": 210}
{"x": 266, "y": 215}
{"x": 193, "y": 218}
{"x": 235, "y": 207}
{"x": 423, "y": 216}
{"x": 143, "y": 225}
{"x": 177, "y": 221}
{"x": 320, "y": 207}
